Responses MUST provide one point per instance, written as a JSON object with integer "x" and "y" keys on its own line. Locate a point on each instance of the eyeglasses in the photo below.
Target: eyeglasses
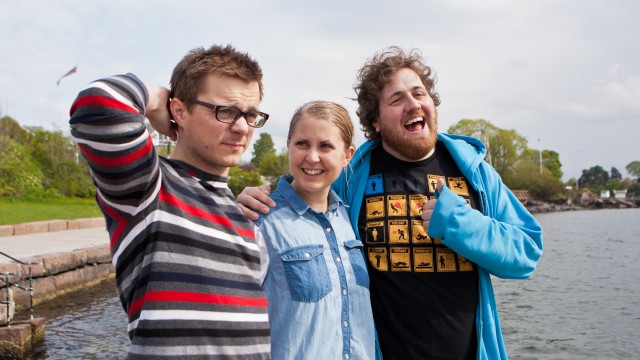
{"x": 231, "y": 114}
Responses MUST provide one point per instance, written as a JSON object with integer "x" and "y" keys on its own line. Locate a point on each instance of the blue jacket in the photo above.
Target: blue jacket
{"x": 504, "y": 239}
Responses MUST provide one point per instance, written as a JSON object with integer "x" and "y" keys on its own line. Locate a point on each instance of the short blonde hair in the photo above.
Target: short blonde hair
{"x": 335, "y": 113}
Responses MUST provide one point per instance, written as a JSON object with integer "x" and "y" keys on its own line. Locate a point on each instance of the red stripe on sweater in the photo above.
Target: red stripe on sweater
{"x": 117, "y": 218}
{"x": 121, "y": 160}
{"x": 195, "y": 211}
{"x": 96, "y": 100}
{"x": 191, "y": 297}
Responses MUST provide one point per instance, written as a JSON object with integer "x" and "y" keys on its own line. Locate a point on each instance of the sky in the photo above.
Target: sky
{"x": 565, "y": 74}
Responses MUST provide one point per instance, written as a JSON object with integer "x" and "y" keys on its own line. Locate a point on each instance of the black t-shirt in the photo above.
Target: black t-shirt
{"x": 424, "y": 296}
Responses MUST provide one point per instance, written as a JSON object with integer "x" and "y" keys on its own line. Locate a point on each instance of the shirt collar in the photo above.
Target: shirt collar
{"x": 297, "y": 203}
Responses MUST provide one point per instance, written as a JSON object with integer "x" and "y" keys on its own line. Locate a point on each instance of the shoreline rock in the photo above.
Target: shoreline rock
{"x": 582, "y": 201}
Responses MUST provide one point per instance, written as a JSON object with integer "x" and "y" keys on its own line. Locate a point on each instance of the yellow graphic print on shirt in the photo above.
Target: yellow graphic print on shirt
{"x": 375, "y": 232}
{"x": 397, "y": 205}
{"x": 375, "y": 207}
{"x": 416, "y": 202}
{"x": 432, "y": 180}
{"x": 445, "y": 260}
{"x": 398, "y": 231}
{"x": 418, "y": 233}
{"x": 378, "y": 258}
{"x": 395, "y": 237}
{"x": 400, "y": 259}
{"x": 459, "y": 186}
{"x": 423, "y": 259}
{"x": 464, "y": 264}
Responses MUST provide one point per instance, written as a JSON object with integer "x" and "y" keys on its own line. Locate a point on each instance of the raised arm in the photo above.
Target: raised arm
{"x": 108, "y": 123}
{"x": 157, "y": 112}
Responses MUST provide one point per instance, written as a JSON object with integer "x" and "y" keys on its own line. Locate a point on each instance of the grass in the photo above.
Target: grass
{"x": 20, "y": 211}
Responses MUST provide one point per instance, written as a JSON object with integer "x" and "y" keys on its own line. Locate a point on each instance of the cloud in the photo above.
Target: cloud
{"x": 566, "y": 71}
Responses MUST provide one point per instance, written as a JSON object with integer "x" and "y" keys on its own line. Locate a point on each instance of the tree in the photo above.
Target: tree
{"x": 595, "y": 178}
{"x": 480, "y": 129}
{"x": 634, "y": 189}
{"x": 633, "y": 168}
{"x": 550, "y": 160}
{"x": 239, "y": 178}
{"x": 504, "y": 146}
{"x": 20, "y": 174}
{"x": 542, "y": 187}
{"x": 40, "y": 164}
{"x": 272, "y": 166}
{"x": 519, "y": 166}
{"x": 615, "y": 174}
{"x": 263, "y": 147}
{"x": 10, "y": 128}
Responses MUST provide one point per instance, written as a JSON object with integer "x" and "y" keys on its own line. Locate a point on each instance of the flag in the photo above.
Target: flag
{"x": 70, "y": 72}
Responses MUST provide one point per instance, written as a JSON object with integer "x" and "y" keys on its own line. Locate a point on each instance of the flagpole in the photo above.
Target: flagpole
{"x": 540, "y": 153}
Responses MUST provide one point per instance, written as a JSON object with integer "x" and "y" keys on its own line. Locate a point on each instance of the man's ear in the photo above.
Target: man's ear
{"x": 178, "y": 110}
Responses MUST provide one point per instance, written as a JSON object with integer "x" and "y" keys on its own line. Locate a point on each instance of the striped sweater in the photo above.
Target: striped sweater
{"x": 186, "y": 259}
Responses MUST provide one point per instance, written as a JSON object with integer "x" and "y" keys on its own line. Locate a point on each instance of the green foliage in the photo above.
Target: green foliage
{"x": 634, "y": 189}
{"x": 269, "y": 164}
{"x": 19, "y": 173}
{"x": 272, "y": 166}
{"x": 239, "y": 178}
{"x": 615, "y": 174}
{"x": 518, "y": 165}
{"x": 10, "y": 128}
{"x": 56, "y": 155}
{"x": 262, "y": 148}
{"x": 633, "y": 168}
{"x": 40, "y": 164}
{"x": 595, "y": 178}
{"x": 543, "y": 186}
{"x": 504, "y": 147}
{"x": 550, "y": 160}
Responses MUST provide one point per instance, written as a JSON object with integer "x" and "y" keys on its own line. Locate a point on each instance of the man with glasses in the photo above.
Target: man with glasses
{"x": 188, "y": 263}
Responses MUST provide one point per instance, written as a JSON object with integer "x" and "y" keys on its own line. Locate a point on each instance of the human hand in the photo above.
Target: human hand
{"x": 427, "y": 208}
{"x": 157, "y": 112}
{"x": 255, "y": 199}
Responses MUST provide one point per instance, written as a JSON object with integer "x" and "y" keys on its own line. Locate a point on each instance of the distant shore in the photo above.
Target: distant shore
{"x": 583, "y": 202}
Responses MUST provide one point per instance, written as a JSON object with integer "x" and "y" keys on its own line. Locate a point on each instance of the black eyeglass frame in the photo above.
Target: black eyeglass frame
{"x": 240, "y": 113}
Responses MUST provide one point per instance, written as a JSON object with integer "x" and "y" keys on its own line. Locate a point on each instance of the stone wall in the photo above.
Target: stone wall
{"x": 50, "y": 225}
{"x": 58, "y": 273}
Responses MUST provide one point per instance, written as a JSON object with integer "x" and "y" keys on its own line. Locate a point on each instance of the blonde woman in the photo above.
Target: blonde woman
{"x": 316, "y": 283}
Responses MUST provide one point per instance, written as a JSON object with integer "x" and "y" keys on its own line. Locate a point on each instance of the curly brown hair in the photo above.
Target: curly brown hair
{"x": 375, "y": 74}
{"x": 190, "y": 72}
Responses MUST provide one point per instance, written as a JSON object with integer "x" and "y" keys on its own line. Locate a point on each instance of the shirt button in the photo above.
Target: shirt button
{"x": 338, "y": 259}
{"x": 344, "y": 292}
{"x": 346, "y": 356}
{"x": 307, "y": 255}
{"x": 328, "y": 229}
{"x": 345, "y": 324}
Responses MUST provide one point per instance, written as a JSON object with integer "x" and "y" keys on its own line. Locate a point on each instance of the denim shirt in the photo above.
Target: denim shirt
{"x": 317, "y": 283}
